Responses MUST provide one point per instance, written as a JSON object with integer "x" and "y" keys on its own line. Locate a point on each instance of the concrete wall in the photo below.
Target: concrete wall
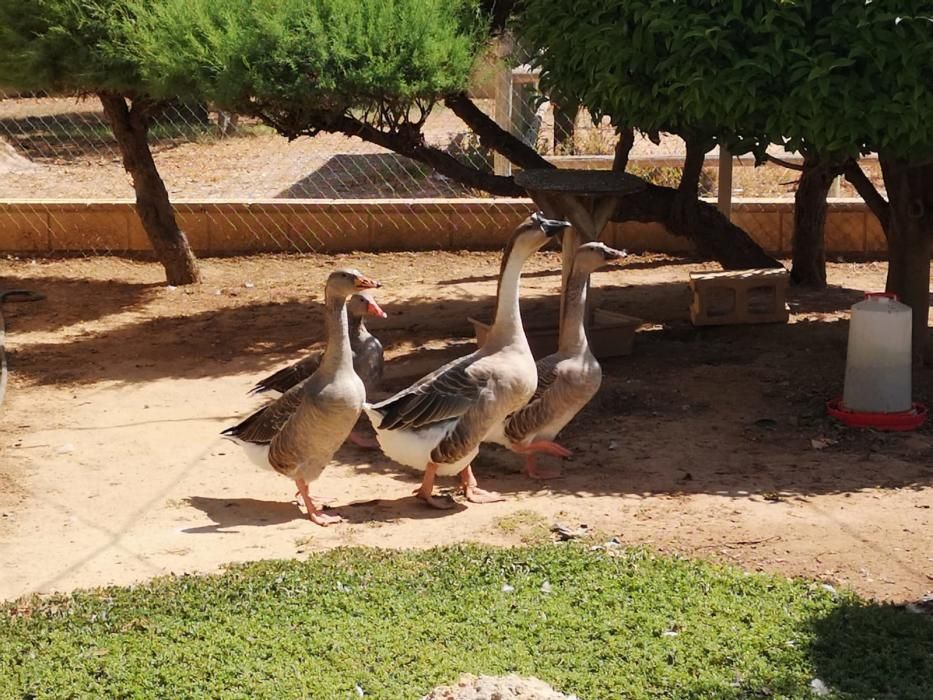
{"x": 372, "y": 225}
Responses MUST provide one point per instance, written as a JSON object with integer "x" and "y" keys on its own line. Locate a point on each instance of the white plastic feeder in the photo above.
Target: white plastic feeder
{"x": 878, "y": 359}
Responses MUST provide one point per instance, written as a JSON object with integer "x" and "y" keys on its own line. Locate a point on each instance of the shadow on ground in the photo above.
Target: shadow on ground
{"x": 864, "y": 651}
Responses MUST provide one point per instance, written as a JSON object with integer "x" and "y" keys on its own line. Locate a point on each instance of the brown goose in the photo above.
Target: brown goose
{"x": 298, "y": 433}
{"x": 367, "y": 353}
{"x": 567, "y": 379}
{"x": 437, "y": 424}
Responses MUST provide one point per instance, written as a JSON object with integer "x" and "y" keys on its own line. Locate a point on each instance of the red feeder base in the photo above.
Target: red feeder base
{"x": 904, "y": 420}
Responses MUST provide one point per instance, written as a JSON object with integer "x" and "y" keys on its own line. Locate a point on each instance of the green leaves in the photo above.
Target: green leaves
{"x": 837, "y": 78}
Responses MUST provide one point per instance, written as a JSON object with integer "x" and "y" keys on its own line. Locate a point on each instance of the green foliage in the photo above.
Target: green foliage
{"x": 65, "y": 45}
{"x": 834, "y": 78}
{"x": 609, "y": 625}
{"x": 301, "y": 56}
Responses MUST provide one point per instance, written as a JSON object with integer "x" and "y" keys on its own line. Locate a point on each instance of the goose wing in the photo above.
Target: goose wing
{"x": 294, "y": 374}
{"x": 543, "y": 404}
{"x": 445, "y": 394}
{"x": 262, "y": 426}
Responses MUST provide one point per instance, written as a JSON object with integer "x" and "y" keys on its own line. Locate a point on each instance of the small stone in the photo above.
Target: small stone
{"x": 250, "y": 285}
{"x": 546, "y": 587}
{"x": 506, "y": 588}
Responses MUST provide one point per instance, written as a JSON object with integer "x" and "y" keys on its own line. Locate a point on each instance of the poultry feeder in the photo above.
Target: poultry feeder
{"x": 877, "y": 389}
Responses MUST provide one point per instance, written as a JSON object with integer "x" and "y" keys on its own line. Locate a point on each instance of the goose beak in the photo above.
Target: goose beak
{"x": 375, "y": 310}
{"x": 549, "y": 226}
{"x": 366, "y": 283}
{"x": 613, "y": 254}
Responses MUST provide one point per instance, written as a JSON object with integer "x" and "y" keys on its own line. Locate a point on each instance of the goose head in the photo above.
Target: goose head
{"x": 592, "y": 256}
{"x": 343, "y": 283}
{"x": 363, "y": 303}
{"x": 534, "y": 232}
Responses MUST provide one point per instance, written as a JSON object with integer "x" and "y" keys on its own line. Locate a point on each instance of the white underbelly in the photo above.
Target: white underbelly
{"x": 257, "y": 454}
{"x": 412, "y": 448}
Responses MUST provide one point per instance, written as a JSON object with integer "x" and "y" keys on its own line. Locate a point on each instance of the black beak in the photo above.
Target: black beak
{"x": 613, "y": 254}
{"x": 549, "y": 226}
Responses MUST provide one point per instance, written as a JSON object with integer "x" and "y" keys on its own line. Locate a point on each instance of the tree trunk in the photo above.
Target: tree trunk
{"x": 809, "y": 251}
{"x": 910, "y": 242}
{"x": 131, "y": 127}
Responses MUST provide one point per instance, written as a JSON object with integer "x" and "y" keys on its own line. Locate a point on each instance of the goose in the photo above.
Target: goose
{"x": 436, "y": 425}
{"x": 298, "y": 433}
{"x": 567, "y": 379}
{"x": 368, "y": 360}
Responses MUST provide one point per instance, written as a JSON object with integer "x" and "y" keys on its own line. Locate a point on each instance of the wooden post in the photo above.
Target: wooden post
{"x": 725, "y": 182}
{"x": 503, "y": 115}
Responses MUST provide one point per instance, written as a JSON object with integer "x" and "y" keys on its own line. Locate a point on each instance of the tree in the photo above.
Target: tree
{"x": 370, "y": 69}
{"x": 831, "y": 80}
{"x": 859, "y": 77}
{"x": 76, "y": 46}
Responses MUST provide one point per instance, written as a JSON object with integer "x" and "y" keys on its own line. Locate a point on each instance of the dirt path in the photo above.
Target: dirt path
{"x": 701, "y": 442}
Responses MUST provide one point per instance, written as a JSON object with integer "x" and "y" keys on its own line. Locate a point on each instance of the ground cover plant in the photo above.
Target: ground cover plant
{"x": 600, "y": 623}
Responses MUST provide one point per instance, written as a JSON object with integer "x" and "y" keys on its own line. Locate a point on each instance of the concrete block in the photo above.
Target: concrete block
{"x": 480, "y": 227}
{"x": 742, "y": 296}
{"x": 101, "y": 229}
{"x": 336, "y": 229}
{"x": 417, "y": 229}
{"x": 24, "y": 230}
{"x": 875, "y": 242}
{"x": 190, "y": 219}
{"x": 241, "y": 228}
{"x": 845, "y": 231}
{"x": 763, "y": 226}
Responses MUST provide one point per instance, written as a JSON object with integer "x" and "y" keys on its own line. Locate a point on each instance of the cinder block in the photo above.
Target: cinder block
{"x": 742, "y": 296}
{"x": 23, "y": 230}
{"x": 336, "y": 229}
{"x": 98, "y": 230}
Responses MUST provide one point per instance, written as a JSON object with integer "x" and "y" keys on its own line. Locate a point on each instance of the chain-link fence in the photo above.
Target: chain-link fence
{"x": 308, "y": 195}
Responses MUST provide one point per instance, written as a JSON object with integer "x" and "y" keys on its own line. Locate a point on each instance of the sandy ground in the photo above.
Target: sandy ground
{"x": 709, "y": 442}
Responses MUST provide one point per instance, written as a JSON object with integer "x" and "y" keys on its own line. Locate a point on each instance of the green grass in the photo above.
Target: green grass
{"x": 632, "y": 625}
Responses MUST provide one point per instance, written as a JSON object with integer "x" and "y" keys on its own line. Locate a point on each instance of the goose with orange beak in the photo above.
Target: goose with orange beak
{"x": 297, "y": 434}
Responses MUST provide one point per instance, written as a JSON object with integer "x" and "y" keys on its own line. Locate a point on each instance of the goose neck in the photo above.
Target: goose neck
{"x": 337, "y": 353}
{"x": 572, "y": 330}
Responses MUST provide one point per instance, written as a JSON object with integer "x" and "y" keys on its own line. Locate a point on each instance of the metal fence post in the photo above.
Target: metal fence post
{"x": 725, "y": 182}
{"x": 503, "y": 115}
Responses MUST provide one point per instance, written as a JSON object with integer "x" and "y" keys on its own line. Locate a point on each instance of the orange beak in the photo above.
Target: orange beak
{"x": 375, "y": 310}
{"x": 366, "y": 283}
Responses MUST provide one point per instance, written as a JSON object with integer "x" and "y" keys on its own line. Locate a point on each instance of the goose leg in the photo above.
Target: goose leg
{"x": 315, "y": 515}
{"x": 426, "y": 491}
{"x": 473, "y": 493}
{"x": 543, "y": 447}
{"x": 535, "y": 471}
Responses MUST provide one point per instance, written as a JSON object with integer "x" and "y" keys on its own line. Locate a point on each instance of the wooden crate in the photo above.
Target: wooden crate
{"x": 740, "y": 296}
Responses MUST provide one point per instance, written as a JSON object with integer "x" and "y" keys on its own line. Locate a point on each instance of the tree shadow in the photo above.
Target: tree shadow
{"x": 80, "y": 135}
{"x": 69, "y": 301}
{"x": 365, "y": 176}
{"x": 864, "y": 651}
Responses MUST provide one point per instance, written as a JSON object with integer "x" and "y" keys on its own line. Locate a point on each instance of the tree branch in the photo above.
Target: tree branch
{"x": 410, "y": 142}
{"x": 493, "y": 136}
{"x": 623, "y": 149}
{"x": 784, "y": 163}
{"x": 867, "y": 191}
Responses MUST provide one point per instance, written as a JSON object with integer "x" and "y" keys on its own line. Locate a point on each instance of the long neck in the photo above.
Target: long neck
{"x": 572, "y": 332}
{"x": 507, "y": 326}
{"x": 337, "y": 354}
{"x": 358, "y": 331}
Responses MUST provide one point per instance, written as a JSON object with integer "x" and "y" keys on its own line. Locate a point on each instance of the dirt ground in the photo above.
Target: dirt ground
{"x": 708, "y": 442}
{"x": 61, "y": 148}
